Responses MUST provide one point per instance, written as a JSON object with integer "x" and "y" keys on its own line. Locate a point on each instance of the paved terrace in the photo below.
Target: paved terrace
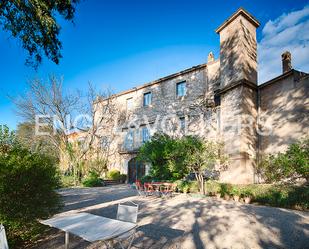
{"x": 187, "y": 222}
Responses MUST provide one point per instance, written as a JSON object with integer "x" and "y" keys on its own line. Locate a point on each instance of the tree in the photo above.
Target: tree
{"x": 203, "y": 155}
{"x": 55, "y": 112}
{"x": 34, "y": 24}
{"x": 27, "y": 186}
{"x": 289, "y": 166}
{"x": 174, "y": 158}
{"x": 25, "y": 134}
{"x": 165, "y": 156}
{"x": 7, "y": 139}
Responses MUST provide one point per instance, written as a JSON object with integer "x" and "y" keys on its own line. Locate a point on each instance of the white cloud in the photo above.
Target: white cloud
{"x": 289, "y": 32}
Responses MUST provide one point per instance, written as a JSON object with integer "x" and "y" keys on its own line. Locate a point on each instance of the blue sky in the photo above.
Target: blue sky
{"x": 124, "y": 43}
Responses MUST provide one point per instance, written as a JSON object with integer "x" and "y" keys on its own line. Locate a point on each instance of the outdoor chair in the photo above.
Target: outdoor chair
{"x": 128, "y": 214}
{"x": 149, "y": 189}
{"x": 140, "y": 188}
{"x": 3, "y": 240}
{"x": 167, "y": 189}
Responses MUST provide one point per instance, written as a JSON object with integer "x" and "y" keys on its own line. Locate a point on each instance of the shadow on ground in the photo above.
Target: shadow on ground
{"x": 186, "y": 222}
{"x": 85, "y": 197}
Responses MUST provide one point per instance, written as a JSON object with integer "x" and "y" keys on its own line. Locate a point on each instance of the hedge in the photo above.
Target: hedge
{"x": 286, "y": 196}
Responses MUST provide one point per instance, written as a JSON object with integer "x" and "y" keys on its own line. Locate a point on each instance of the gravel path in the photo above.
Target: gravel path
{"x": 187, "y": 222}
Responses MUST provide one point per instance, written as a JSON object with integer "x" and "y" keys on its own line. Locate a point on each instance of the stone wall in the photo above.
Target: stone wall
{"x": 237, "y": 129}
{"x": 284, "y": 106}
{"x": 165, "y": 105}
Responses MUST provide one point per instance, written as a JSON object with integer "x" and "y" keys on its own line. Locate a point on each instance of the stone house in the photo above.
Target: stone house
{"x": 218, "y": 100}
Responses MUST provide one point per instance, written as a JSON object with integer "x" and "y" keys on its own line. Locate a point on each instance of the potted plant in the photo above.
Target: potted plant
{"x": 213, "y": 188}
{"x": 236, "y": 193}
{"x": 225, "y": 191}
{"x": 226, "y": 197}
{"x": 247, "y": 195}
{"x": 186, "y": 188}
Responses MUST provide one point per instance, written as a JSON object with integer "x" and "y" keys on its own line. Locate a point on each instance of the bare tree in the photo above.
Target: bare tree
{"x": 57, "y": 113}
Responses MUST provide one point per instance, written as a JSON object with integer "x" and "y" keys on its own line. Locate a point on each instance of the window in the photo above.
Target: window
{"x": 147, "y": 99}
{"x": 181, "y": 89}
{"x": 217, "y": 100}
{"x": 145, "y": 135}
{"x": 129, "y": 103}
{"x": 182, "y": 123}
{"x": 129, "y": 139}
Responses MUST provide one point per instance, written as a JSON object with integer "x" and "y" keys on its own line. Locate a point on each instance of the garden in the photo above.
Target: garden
{"x": 29, "y": 178}
{"x": 194, "y": 165}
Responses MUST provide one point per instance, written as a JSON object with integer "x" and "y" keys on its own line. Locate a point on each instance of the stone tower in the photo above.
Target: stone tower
{"x": 238, "y": 94}
{"x": 238, "y": 48}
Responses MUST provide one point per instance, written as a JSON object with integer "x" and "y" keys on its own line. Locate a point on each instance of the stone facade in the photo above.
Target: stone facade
{"x": 284, "y": 104}
{"x": 221, "y": 101}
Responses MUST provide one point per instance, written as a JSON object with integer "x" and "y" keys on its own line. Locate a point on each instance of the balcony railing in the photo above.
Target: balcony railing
{"x": 129, "y": 148}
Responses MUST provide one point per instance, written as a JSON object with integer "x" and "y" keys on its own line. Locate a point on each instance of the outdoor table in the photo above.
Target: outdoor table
{"x": 156, "y": 186}
{"x": 90, "y": 227}
{"x": 162, "y": 188}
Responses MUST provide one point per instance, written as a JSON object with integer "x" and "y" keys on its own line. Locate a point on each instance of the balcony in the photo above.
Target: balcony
{"x": 129, "y": 148}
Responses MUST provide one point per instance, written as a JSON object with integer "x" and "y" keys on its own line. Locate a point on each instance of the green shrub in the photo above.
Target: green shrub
{"x": 67, "y": 181}
{"x": 236, "y": 191}
{"x": 166, "y": 156}
{"x": 289, "y": 166}
{"x": 113, "y": 175}
{"x": 93, "y": 180}
{"x": 146, "y": 178}
{"x": 212, "y": 187}
{"x": 246, "y": 191}
{"x": 296, "y": 197}
{"x": 184, "y": 186}
{"x": 122, "y": 178}
{"x": 226, "y": 189}
{"x": 27, "y": 192}
{"x": 193, "y": 187}
{"x": 287, "y": 196}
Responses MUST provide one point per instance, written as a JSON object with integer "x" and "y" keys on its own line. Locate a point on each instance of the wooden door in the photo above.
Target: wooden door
{"x": 136, "y": 170}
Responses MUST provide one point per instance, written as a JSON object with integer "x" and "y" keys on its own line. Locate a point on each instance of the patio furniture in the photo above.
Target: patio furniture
{"x": 128, "y": 214}
{"x": 90, "y": 227}
{"x": 167, "y": 189}
{"x": 149, "y": 188}
{"x": 3, "y": 240}
{"x": 140, "y": 188}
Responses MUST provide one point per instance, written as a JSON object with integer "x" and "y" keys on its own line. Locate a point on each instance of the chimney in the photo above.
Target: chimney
{"x": 286, "y": 62}
{"x": 211, "y": 57}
